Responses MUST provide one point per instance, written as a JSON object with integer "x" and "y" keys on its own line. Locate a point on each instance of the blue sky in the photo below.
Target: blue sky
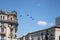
{"x": 43, "y": 11}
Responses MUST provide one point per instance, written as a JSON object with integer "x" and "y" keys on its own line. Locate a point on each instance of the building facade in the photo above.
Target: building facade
{"x": 52, "y": 33}
{"x": 8, "y": 25}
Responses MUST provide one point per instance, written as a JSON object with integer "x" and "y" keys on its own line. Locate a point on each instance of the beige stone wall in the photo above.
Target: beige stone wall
{"x": 57, "y": 33}
{"x": 7, "y": 30}
{"x": 5, "y": 17}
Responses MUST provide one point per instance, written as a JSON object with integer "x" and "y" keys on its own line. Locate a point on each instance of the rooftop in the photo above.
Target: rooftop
{"x": 14, "y": 13}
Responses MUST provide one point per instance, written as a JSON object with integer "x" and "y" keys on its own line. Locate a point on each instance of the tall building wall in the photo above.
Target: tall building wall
{"x": 8, "y": 25}
{"x": 47, "y": 34}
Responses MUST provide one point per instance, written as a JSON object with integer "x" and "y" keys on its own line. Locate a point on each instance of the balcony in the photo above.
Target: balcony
{"x": 2, "y": 33}
{"x": 13, "y": 21}
{"x": 9, "y": 21}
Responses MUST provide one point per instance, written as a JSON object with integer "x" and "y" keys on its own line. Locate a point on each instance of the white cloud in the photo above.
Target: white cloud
{"x": 42, "y": 23}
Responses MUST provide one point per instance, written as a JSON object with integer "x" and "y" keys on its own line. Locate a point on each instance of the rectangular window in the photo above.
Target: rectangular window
{"x": 15, "y": 30}
{"x": 2, "y": 17}
{"x": 2, "y": 37}
{"x": 1, "y": 24}
{"x": 2, "y": 29}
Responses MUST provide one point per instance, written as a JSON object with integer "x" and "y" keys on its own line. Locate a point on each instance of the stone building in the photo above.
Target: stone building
{"x": 8, "y": 25}
{"x": 52, "y": 33}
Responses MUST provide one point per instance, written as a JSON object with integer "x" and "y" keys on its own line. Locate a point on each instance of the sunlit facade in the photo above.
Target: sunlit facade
{"x": 8, "y": 25}
{"x": 52, "y": 33}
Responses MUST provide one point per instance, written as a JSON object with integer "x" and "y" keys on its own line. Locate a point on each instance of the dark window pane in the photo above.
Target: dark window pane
{"x": 2, "y": 29}
{"x": 59, "y": 37}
